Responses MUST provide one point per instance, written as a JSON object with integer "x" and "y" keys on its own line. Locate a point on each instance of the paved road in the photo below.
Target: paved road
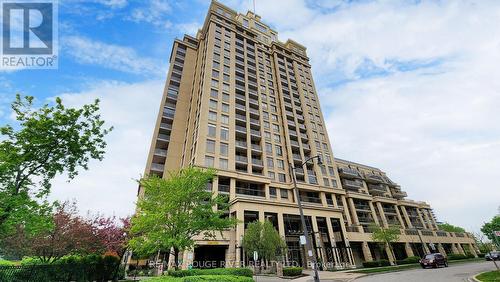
{"x": 455, "y": 272}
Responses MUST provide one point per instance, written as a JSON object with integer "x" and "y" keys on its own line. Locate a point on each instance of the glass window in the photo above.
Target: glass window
{"x": 269, "y": 148}
{"x": 274, "y": 117}
{"x": 224, "y": 148}
{"x": 211, "y": 130}
{"x": 213, "y": 104}
{"x": 281, "y": 177}
{"x": 215, "y": 74}
{"x": 224, "y": 133}
{"x": 284, "y": 193}
{"x": 267, "y": 135}
{"x": 276, "y": 127}
{"x": 270, "y": 163}
{"x": 330, "y": 170}
{"x": 272, "y": 192}
{"x": 326, "y": 182}
{"x": 212, "y": 116}
{"x": 215, "y": 83}
{"x": 215, "y": 65}
{"x": 226, "y": 77}
{"x": 223, "y": 163}
{"x": 271, "y": 175}
{"x": 277, "y": 138}
{"x": 281, "y": 164}
{"x": 225, "y": 108}
{"x": 225, "y": 87}
{"x": 210, "y": 146}
{"x": 225, "y": 97}
{"x": 279, "y": 151}
{"x": 209, "y": 161}
{"x": 214, "y": 93}
{"x": 224, "y": 119}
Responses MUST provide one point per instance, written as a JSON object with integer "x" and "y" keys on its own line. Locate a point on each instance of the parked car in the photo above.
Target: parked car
{"x": 495, "y": 255}
{"x": 433, "y": 260}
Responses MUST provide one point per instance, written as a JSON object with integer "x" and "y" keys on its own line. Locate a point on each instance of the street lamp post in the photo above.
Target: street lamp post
{"x": 309, "y": 247}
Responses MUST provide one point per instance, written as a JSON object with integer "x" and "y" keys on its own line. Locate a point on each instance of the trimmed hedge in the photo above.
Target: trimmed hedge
{"x": 376, "y": 263}
{"x": 203, "y": 278}
{"x": 480, "y": 255}
{"x": 408, "y": 260}
{"x": 213, "y": 271}
{"x": 457, "y": 257}
{"x": 292, "y": 271}
{"x": 72, "y": 268}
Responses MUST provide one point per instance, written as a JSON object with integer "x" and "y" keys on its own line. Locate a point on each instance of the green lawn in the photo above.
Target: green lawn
{"x": 492, "y": 276}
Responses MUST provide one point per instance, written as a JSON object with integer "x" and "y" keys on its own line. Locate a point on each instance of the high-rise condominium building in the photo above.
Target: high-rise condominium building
{"x": 241, "y": 101}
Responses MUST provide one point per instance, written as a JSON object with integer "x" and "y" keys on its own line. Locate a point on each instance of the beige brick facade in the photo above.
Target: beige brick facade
{"x": 241, "y": 101}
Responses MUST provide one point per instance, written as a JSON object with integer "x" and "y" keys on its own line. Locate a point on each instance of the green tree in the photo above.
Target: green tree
{"x": 172, "y": 211}
{"x": 489, "y": 227}
{"x": 450, "y": 228}
{"x": 385, "y": 236}
{"x": 46, "y": 141}
{"x": 263, "y": 238}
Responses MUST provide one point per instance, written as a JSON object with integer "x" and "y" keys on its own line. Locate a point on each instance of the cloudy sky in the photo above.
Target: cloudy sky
{"x": 411, "y": 87}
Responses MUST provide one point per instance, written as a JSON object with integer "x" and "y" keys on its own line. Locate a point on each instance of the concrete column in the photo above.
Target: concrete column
{"x": 406, "y": 217}
{"x": 232, "y": 189}
{"x": 409, "y": 250}
{"x": 421, "y": 219}
{"x": 454, "y": 249}
{"x": 266, "y": 190}
{"x": 441, "y": 249}
{"x": 333, "y": 242}
{"x": 334, "y": 199}
{"x": 374, "y": 213}
{"x": 350, "y": 255}
{"x": 472, "y": 250}
{"x": 460, "y": 249}
{"x": 281, "y": 225}
{"x": 400, "y": 218}
{"x": 428, "y": 220}
{"x": 352, "y": 208}
{"x": 346, "y": 210}
{"x": 323, "y": 196}
{"x": 382, "y": 214}
{"x": 240, "y": 229}
{"x": 317, "y": 237}
{"x": 366, "y": 251}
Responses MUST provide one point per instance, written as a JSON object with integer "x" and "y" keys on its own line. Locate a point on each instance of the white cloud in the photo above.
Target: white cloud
{"x": 422, "y": 96}
{"x": 121, "y": 58}
{"x": 109, "y": 186}
{"x": 155, "y": 13}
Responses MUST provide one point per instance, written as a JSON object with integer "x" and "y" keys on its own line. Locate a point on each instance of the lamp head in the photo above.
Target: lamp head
{"x": 320, "y": 160}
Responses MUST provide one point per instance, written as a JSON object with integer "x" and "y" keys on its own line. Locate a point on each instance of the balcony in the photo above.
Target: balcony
{"x": 353, "y": 228}
{"x": 255, "y": 132}
{"x": 391, "y": 211}
{"x": 378, "y": 189}
{"x": 362, "y": 207}
{"x": 250, "y": 189}
{"x": 241, "y": 97}
{"x": 297, "y": 157}
{"x": 241, "y": 144}
{"x": 254, "y": 111}
{"x": 160, "y": 152}
{"x": 164, "y": 137}
{"x": 398, "y": 194}
{"x": 373, "y": 178}
{"x": 310, "y": 199}
{"x": 299, "y": 171}
{"x": 306, "y": 147}
{"x": 254, "y": 121}
{"x": 241, "y": 159}
{"x": 241, "y": 129}
{"x": 257, "y": 162}
{"x": 256, "y": 148}
{"x": 241, "y": 117}
{"x": 157, "y": 167}
{"x": 166, "y": 126}
{"x": 352, "y": 184}
{"x": 223, "y": 189}
{"x": 240, "y": 107}
{"x": 294, "y": 143}
{"x": 349, "y": 172}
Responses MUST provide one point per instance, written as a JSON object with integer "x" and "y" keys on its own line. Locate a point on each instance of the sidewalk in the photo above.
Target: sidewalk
{"x": 325, "y": 276}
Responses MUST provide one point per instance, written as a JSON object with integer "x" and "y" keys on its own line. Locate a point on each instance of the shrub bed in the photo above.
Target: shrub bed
{"x": 457, "y": 257}
{"x": 292, "y": 271}
{"x": 214, "y": 271}
{"x": 203, "y": 278}
{"x": 408, "y": 260}
{"x": 376, "y": 263}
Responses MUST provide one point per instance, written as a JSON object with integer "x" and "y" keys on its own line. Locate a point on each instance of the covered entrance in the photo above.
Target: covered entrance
{"x": 209, "y": 256}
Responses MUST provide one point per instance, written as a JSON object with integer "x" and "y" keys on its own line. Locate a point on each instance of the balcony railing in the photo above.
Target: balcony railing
{"x": 163, "y": 137}
{"x": 345, "y": 171}
{"x": 377, "y": 188}
{"x": 255, "y": 132}
{"x": 257, "y": 162}
{"x": 309, "y": 199}
{"x": 241, "y": 144}
{"x": 352, "y": 228}
{"x": 411, "y": 232}
{"x": 374, "y": 178}
{"x": 161, "y": 152}
{"x": 250, "y": 191}
{"x": 352, "y": 183}
{"x": 256, "y": 147}
{"x": 241, "y": 159}
{"x": 157, "y": 167}
{"x": 223, "y": 188}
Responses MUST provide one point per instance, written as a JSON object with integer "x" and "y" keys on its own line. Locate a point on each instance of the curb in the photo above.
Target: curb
{"x": 474, "y": 279}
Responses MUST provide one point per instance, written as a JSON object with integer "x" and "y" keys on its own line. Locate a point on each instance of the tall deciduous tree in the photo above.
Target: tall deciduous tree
{"x": 172, "y": 211}
{"x": 385, "y": 236}
{"x": 46, "y": 141}
{"x": 489, "y": 227}
{"x": 264, "y": 239}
